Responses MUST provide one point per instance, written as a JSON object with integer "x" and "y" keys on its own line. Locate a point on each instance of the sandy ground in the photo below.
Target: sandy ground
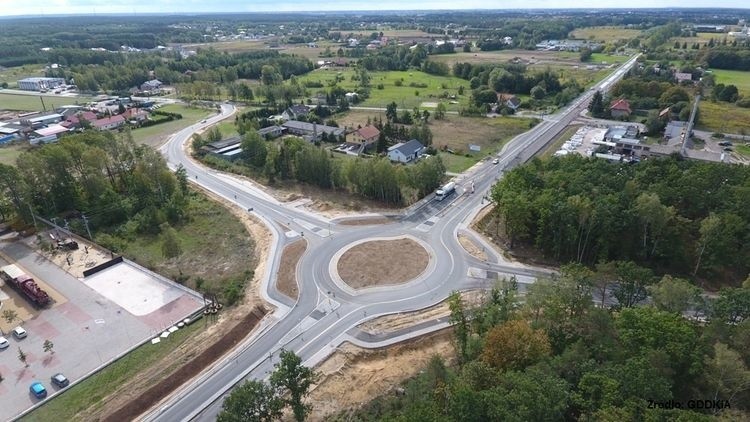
{"x": 382, "y": 262}
{"x": 471, "y": 247}
{"x": 87, "y": 256}
{"x": 225, "y": 321}
{"x": 286, "y": 281}
{"x": 353, "y": 376}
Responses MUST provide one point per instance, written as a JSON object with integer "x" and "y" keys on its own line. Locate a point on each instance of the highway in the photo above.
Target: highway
{"x": 327, "y": 312}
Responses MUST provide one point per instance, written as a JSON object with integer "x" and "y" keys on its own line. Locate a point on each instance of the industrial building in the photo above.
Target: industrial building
{"x": 40, "y": 84}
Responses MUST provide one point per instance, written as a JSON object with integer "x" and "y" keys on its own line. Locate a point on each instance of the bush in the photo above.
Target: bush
{"x": 418, "y": 85}
{"x": 381, "y": 86}
{"x": 399, "y": 82}
{"x": 744, "y": 103}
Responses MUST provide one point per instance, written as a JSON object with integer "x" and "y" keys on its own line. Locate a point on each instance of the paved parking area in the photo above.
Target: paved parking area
{"x": 91, "y": 322}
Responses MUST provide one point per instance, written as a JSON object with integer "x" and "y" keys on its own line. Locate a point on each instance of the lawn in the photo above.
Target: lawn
{"x": 86, "y": 395}
{"x": 156, "y": 135}
{"x": 9, "y": 153}
{"x": 737, "y": 78}
{"x": 605, "y": 33}
{"x": 22, "y": 102}
{"x": 405, "y": 96}
{"x": 743, "y": 149}
{"x": 601, "y": 58}
{"x": 227, "y": 129}
{"x": 723, "y": 117}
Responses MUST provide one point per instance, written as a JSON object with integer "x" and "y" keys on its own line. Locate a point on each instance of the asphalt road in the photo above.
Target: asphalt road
{"x": 325, "y": 314}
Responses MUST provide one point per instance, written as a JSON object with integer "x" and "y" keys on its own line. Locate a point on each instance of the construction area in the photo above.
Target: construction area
{"x": 361, "y": 266}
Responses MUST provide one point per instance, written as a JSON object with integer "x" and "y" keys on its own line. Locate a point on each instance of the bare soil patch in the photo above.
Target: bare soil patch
{"x": 365, "y": 221}
{"x": 353, "y": 376}
{"x": 286, "y": 277}
{"x": 472, "y": 248}
{"x": 382, "y": 262}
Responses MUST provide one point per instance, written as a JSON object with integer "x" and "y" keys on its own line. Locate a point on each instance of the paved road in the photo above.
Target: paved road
{"x": 325, "y": 314}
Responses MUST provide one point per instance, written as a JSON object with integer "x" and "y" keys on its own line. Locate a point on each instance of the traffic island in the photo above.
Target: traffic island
{"x": 381, "y": 262}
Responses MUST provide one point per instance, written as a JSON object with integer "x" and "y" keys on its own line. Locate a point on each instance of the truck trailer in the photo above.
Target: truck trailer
{"x": 24, "y": 284}
{"x": 445, "y": 190}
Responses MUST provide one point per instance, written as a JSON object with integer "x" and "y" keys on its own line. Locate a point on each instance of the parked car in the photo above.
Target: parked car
{"x": 19, "y": 333}
{"x": 725, "y": 144}
{"x": 728, "y": 149}
{"x": 60, "y": 380}
{"x": 38, "y": 390}
{"x": 4, "y": 343}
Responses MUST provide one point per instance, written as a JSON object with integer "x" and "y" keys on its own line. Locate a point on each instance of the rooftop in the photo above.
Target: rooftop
{"x": 235, "y": 140}
{"x": 407, "y": 148}
{"x": 368, "y": 132}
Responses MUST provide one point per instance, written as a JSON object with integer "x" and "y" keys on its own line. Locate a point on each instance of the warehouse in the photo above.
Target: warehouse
{"x": 40, "y": 84}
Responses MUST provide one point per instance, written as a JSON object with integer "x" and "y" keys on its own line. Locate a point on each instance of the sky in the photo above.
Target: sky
{"x": 49, "y": 7}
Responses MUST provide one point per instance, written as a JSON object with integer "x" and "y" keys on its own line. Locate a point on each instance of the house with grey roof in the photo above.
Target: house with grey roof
{"x": 313, "y": 132}
{"x": 406, "y": 152}
{"x": 295, "y": 112}
{"x": 271, "y": 132}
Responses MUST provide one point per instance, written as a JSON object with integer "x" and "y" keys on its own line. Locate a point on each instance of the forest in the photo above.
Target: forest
{"x": 687, "y": 218}
{"x": 553, "y": 355}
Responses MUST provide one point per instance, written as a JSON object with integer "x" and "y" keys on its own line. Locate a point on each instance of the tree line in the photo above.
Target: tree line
{"x": 554, "y": 355}
{"x": 684, "y": 217}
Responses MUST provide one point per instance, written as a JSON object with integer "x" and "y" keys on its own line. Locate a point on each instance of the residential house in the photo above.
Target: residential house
{"x": 406, "y": 152}
{"x": 271, "y": 132}
{"x": 313, "y": 132}
{"x": 295, "y": 112}
{"x": 509, "y": 100}
{"x": 367, "y": 135}
{"x": 152, "y": 85}
{"x": 109, "y": 123}
{"x": 620, "y": 108}
{"x": 135, "y": 115}
{"x": 681, "y": 77}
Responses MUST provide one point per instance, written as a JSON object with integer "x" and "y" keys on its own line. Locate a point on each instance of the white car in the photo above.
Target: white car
{"x": 495, "y": 161}
{"x": 4, "y": 343}
{"x": 19, "y": 333}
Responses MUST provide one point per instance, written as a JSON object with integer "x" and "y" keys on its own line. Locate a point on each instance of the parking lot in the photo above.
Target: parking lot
{"x": 90, "y": 321}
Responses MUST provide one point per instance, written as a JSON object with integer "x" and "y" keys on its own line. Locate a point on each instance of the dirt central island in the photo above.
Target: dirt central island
{"x": 382, "y": 262}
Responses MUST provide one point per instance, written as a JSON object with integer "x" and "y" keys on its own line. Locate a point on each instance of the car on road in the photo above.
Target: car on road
{"x": 495, "y": 161}
{"x": 60, "y": 380}
{"x": 728, "y": 149}
{"x": 37, "y": 389}
{"x": 203, "y": 121}
{"x": 725, "y": 144}
{"x": 4, "y": 343}
{"x": 19, "y": 333}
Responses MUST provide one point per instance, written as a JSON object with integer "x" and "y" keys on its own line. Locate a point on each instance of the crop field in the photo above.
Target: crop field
{"x": 416, "y": 87}
{"x": 21, "y": 102}
{"x": 235, "y": 46}
{"x": 723, "y": 117}
{"x": 737, "y": 78}
{"x": 605, "y": 33}
{"x": 393, "y": 33}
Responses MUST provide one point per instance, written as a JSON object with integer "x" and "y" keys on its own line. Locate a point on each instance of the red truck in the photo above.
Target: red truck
{"x": 24, "y": 284}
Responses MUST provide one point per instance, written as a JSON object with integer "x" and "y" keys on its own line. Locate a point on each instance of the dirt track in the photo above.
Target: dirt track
{"x": 382, "y": 263}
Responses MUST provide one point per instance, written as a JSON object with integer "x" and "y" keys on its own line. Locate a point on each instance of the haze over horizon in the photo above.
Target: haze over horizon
{"x": 87, "y": 7}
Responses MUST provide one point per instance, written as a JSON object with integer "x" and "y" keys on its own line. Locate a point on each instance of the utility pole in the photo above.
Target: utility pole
{"x": 86, "y": 223}
{"x": 33, "y": 217}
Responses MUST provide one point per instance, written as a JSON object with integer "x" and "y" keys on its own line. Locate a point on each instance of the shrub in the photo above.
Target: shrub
{"x": 744, "y": 103}
{"x": 398, "y": 82}
{"x": 381, "y": 86}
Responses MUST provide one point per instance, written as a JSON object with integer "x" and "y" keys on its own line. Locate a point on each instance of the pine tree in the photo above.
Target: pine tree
{"x": 596, "y": 107}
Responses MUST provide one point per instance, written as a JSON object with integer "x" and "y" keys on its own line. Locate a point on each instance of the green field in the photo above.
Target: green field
{"x": 743, "y": 149}
{"x": 737, "y": 78}
{"x": 20, "y": 102}
{"x": 86, "y": 396}
{"x": 601, "y": 58}
{"x": 9, "y": 153}
{"x": 405, "y": 96}
{"x": 11, "y": 75}
{"x": 157, "y": 134}
{"x": 605, "y": 33}
{"x": 723, "y": 117}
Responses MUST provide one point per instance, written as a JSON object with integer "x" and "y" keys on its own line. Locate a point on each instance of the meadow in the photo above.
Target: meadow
{"x": 723, "y": 117}
{"x": 738, "y": 78}
{"x": 21, "y": 102}
{"x": 605, "y": 33}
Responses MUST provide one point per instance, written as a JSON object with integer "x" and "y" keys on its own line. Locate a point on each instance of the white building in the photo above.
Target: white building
{"x": 406, "y": 152}
{"x": 38, "y": 84}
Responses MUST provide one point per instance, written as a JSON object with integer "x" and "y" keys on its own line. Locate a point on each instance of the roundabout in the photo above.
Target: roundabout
{"x": 381, "y": 262}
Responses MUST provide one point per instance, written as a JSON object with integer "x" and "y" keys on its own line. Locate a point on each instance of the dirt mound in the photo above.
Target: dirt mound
{"x": 382, "y": 263}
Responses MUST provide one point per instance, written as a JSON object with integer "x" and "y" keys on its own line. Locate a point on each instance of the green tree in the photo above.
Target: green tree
{"x": 440, "y": 111}
{"x": 254, "y": 149}
{"x": 674, "y": 294}
{"x": 170, "y": 243}
{"x": 460, "y": 321}
{"x": 295, "y": 380}
{"x": 632, "y": 281}
{"x": 48, "y": 347}
{"x": 596, "y": 106}
{"x": 213, "y": 134}
{"x": 727, "y": 375}
{"x": 270, "y": 76}
{"x": 23, "y": 357}
{"x": 655, "y": 218}
{"x": 585, "y": 54}
{"x": 10, "y": 315}
{"x": 252, "y": 401}
{"x": 391, "y": 112}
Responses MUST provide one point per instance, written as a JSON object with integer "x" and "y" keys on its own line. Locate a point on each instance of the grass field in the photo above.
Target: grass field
{"x": 22, "y": 102}
{"x": 723, "y": 117}
{"x": 605, "y": 33}
{"x": 9, "y": 153}
{"x": 737, "y": 78}
{"x": 405, "y": 95}
{"x": 743, "y": 149}
{"x": 393, "y": 33}
{"x": 157, "y": 134}
{"x": 11, "y": 75}
{"x": 601, "y": 58}
{"x": 227, "y": 128}
{"x": 87, "y": 394}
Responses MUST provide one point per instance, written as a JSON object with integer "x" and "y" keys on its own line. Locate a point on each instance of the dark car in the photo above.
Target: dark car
{"x": 60, "y": 380}
{"x": 725, "y": 144}
{"x": 728, "y": 149}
